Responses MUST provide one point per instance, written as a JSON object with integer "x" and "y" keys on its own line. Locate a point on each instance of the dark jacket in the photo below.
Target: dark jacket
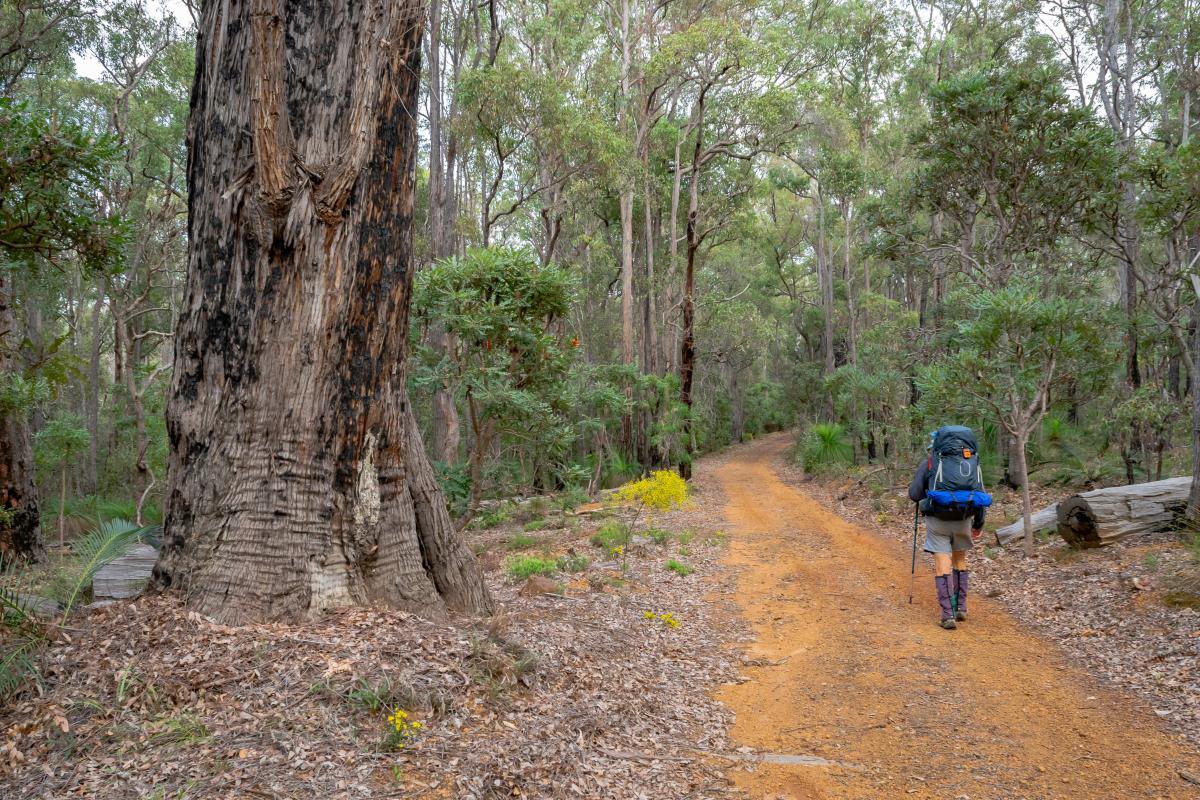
{"x": 920, "y": 481}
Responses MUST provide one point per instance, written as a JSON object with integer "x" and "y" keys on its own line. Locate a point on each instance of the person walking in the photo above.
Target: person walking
{"x": 948, "y": 488}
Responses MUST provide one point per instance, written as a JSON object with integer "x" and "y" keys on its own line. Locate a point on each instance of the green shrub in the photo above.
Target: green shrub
{"x": 523, "y": 567}
{"x": 611, "y": 535}
{"x": 575, "y": 562}
{"x": 496, "y": 516}
{"x": 534, "y": 525}
{"x": 826, "y": 445}
{"x": 658, "y": 535}
{"x": 523, "y": 541}
{"x": 679, "y": 568}
{"x": 572, "y": 499}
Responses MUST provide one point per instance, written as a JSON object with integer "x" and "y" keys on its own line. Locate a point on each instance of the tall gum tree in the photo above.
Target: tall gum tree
{"x": 297, "y": 479}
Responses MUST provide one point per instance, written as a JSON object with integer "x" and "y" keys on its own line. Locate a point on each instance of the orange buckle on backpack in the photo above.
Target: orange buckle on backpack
{"x": 966, "y": 453}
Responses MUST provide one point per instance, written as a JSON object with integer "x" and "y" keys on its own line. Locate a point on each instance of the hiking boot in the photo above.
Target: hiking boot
{"x": 961, "y": 578}
{"x": 944, "y": 595}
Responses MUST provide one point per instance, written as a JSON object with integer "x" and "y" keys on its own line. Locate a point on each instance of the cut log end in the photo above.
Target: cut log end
{"x": 1077, "y": 523}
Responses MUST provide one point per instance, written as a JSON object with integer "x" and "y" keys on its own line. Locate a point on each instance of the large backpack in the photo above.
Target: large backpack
{"x": 954, "y": 490}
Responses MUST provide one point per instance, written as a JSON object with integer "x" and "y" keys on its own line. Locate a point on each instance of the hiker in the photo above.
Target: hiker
{"x": 948, "y": 489}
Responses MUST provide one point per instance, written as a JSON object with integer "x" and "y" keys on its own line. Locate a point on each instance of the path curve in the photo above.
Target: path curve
{"x": 904, "y": 708}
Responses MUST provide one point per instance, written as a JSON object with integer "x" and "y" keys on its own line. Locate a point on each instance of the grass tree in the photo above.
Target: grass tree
{"x": 1016, "y": 347}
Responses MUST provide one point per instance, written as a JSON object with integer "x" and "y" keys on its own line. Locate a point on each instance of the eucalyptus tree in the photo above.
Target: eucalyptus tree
{"x": 298, "y": 480}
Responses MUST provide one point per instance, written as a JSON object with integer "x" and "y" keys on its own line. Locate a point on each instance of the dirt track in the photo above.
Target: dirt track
{"x": 901, "y": 707}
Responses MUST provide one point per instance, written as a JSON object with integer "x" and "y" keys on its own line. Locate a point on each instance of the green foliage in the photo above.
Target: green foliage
{"x": 523, "y": 541}
{"x": 610, "y": 536}
{"x": 680, "y": 569}
{"x": 60, "y": 442}
{"x": 21, "y": 395}
{"x": 658, "y": 535}
{"x": 455, "y": 482}
{"x": 826, "y": 445}
{"x": 576, "y": 562}
{"x": 1005, "y": 149}
{"x": 100, "y": 547}
{"x": 498, "y": 515}
{"x": 522, "y": 567}
{"x": 51, "y": 176}
{"x": 1019, "y": 343}
{"x": 509, "y": 361}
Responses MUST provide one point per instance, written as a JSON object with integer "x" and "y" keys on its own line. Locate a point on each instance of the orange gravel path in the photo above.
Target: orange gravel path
{"x": 901, "y": 707}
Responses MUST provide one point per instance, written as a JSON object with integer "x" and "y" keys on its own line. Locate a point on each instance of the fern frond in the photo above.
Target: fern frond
{"x": 14, "y": 608}
{"x": 108, "y": 542}
{"x": 17, "y": 668}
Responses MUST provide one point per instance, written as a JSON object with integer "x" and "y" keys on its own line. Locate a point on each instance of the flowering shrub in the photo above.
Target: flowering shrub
{"x": 666, "y": 618}
{"x": 400, "y": 730}
{"x": 663, "y": 490}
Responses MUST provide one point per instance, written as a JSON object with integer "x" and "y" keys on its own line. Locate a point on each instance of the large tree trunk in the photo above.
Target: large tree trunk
{"x": 298, "y": 481}
{"x": 20, "y": 531}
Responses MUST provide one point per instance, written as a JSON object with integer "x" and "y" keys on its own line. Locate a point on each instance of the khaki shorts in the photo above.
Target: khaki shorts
{"x": 947, "y": 535}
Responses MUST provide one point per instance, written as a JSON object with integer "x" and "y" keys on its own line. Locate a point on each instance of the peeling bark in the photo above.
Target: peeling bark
{"x": 297, "y": 479}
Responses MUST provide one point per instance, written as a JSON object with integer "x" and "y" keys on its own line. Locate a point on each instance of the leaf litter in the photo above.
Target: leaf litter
{"x": 555, "y": 696}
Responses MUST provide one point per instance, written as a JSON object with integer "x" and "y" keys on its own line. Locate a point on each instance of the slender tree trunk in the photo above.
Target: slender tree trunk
{"x": 737, "y": 406}
{"x": 137, "y": 410}
{"x": 650, "y": 340}
{"x": 1020, "y": 443}
{"x": 92, "y": 400}
{"x": 673, "y": 264}
{"x": 298, "y": 480}
{"x": 687, "y": 354}
{"x": 848, "y": 277}
{"x": 825, "y": 276}
{"x": 445, "y": 423}
{"x": 62, "y": 510}
{"x": 20, "y": 531}
{"x": 627, "y": 300}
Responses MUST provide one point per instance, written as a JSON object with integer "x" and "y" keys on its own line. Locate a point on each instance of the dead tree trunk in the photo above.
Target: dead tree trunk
{"x": 297, "y": 477}
{"x": 1104, "y": 516}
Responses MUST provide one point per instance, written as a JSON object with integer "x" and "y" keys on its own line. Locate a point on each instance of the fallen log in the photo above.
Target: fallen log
{"x": 1104, "y": 516}
{"x": 1046, "y": 519}
{"x": 126, "y": 576}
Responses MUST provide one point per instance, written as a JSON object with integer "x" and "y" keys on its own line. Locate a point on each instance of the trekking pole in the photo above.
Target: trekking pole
{"x": 912, "y": 578}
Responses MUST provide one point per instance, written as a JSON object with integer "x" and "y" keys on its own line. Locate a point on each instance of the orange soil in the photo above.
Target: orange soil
{"x": 904, "y": 708}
